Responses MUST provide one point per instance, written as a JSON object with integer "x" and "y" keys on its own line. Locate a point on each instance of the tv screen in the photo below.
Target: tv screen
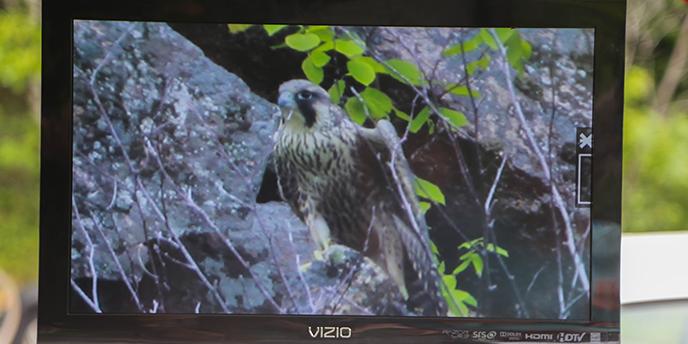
{"x": 331, "y": 170}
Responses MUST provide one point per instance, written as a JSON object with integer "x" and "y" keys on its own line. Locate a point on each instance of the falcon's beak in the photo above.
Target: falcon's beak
{"x": 286, "y": 100}
{"x": 287, "y": 103}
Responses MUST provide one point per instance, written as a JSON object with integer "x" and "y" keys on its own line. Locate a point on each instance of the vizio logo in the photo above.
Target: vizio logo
{"x": 330, "y": 332}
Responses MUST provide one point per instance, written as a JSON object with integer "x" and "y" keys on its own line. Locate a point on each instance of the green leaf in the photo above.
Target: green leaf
{"x": 482, "y": 63}
{"x": 477, "y": 262}
{"x": 313, "y": 73}
{"x": 464, "y": 297}
{"x": 401, "y": 114}
{"x": 471, "y": 244}
{"x": 500, "y": 251}
{"x": 449, "y": 281}
{"x": 361, "y": 71}
{"x": 504, "y": 33}
{"x": 452, "y": 50}
{"x": 426, "y": 189}
{"x": 420, "y": 119}
{"x": 456, "y": 309}
{"x": 462, "y": 91}
{"x": 405, "y": 71}
{"x": 424, "y": 207}
{"x": 336, "y": 91}
{"x": 356, "y": 110}
{"x": 377, "y": 101}
{"x": 272, "y": 29}
{"x": 527, "y": 49}
{"x": 377, "y": 67}
{"x": 302, "y": 41}
{"x": 348, "y": 47}
{"x": 236, "y": 28}
{"x": 518, "y": 51}
{"x": 462, "y": 267}
{"x": 488, "y": 39}
{"x": 455, "y": 118}
{"x": 473, "y": 43}
{"x": 456, "y": 303}
{"x": 323, "y": 31}
{"x": 468, "y": 46}
{"x": 319, "y": 58}
{"x": 468, "y": 255}
{"x": 325, "y": 47}
{"x": 436, "y": 251}
{"x": 316, "y": 28}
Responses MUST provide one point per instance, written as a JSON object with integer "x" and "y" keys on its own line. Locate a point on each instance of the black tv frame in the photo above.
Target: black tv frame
{"x": 56, "y": 324}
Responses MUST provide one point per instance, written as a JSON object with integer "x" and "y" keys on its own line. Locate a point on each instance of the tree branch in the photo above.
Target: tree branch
{"x": 530, "y": 138}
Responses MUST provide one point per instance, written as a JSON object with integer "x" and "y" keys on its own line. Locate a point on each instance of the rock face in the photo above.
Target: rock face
{"x": 175, "y": 210}
{"x": 169, "y": 154}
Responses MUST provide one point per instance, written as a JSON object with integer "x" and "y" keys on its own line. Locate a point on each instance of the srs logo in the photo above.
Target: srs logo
{"x": 330, "y": 332}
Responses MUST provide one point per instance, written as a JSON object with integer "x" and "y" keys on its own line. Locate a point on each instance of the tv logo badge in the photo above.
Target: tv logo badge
{"x": 330, "y": 332}
{"x": 570, "y": 337}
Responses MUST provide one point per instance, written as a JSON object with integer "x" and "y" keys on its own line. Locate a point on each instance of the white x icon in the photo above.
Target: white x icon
{"x": 585, "y": 140}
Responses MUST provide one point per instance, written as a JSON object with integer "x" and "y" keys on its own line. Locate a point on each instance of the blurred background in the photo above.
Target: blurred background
{"x": 655, "y": 183}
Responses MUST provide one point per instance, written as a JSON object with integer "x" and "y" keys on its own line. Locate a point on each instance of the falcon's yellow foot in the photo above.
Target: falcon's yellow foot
{"x": 319, "y": 253}
{"x": 305, "y": 267}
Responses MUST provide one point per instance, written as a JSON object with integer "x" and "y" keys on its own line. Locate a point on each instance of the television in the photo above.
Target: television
{"x": 293, "y": 172}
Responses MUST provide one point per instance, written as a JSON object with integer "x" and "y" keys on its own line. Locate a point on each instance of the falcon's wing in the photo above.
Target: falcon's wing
{"x": 409, "y": 221}
{"x": 384, "y": 137}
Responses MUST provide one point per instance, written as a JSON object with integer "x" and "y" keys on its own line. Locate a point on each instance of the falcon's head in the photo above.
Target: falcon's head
{"x": 306, "y": 105}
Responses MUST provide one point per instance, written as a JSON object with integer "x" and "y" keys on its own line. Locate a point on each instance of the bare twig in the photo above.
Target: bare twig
{"x": 85, "y": 297}
{"x": 297, "y": 257}
{"x": 114, "y": 195}
{"x": 280, "y": 271}
{"x": 535, "y": 277}
{"x": 91, "y": 253}
{"x": 488, "y": 201}
{"x": 358, "y": 307}
{"x": 488, "y": 228}
{"x": 360, "y": 99}
{"x": 115, "y": 260}
{"x": 178, "y": 262}
{"x": 142, "y": 266}
{"x": 111, "y": 53}
{"x": 354, "y": 270}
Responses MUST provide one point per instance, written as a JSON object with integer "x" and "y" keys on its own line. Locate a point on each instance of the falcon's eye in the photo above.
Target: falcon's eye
{"x": 304, "y": 95}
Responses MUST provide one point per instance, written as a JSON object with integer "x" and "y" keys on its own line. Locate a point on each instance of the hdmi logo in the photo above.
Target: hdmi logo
{"x": 330, "y": 332}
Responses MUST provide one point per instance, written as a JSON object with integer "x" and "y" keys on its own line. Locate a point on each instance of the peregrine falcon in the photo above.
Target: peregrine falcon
{"x": 352, "y": 186}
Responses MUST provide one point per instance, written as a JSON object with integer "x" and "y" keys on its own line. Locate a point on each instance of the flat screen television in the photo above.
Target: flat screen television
{"x": 292, "y": 172}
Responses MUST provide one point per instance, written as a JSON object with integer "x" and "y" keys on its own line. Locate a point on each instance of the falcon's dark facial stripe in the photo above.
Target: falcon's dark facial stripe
{"x": 305, "y": 100}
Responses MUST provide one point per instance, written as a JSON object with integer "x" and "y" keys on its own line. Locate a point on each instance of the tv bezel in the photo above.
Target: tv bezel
{"x": 56, "y": 324}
